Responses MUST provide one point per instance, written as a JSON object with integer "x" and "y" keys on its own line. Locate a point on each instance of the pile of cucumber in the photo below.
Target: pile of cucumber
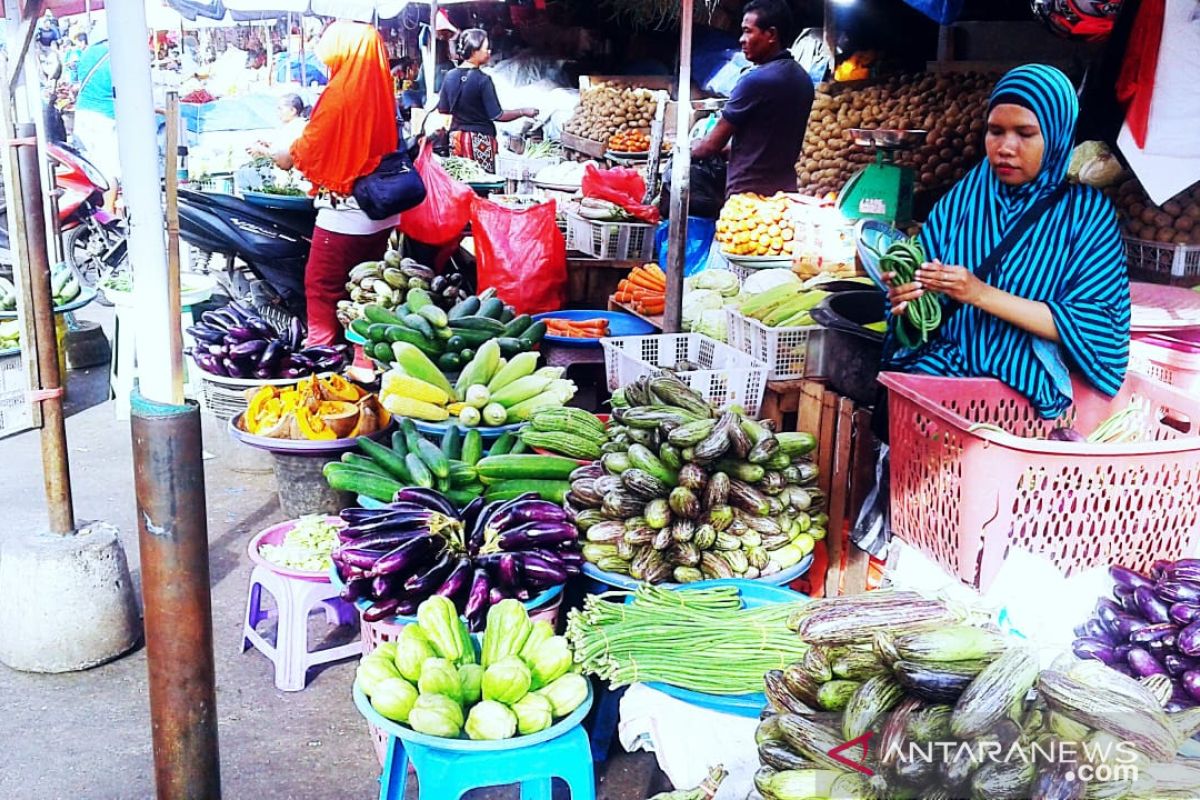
{"x": 449, "y": 338}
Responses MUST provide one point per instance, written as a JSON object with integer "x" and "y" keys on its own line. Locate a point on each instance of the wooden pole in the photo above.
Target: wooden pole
{"x": 681, "y": 168}
{"x": 172, "y": 197}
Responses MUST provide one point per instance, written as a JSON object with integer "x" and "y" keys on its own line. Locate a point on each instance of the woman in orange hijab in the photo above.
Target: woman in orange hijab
{"x": 353, "y": 126}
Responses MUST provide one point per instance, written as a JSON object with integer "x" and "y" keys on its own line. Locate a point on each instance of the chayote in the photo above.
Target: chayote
{"x": 540, "y": 632}
{"x": 436, "y": 715}
{"x": 470, "y": 679}
{"x": 439, "y": 676}
{"x": 508, "y": 627}
{"x": 506, "y": 681}
{"x": 412, "y": 649}
{"x": 534, "y": 713}
{"x": 394, "y": 698}
{"x": 565, "y": 694}
{"x": 439, "y": 620}
{"x": 373, "y": 670}
{"x": 491, "y": 720}
{"x": 549, "y": 661}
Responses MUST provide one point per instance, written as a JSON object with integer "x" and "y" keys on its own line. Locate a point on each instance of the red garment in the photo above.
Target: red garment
{"x": 353, "y": 124}
{"x": 1135, "y": 84}
{"x": 330, "y": 260}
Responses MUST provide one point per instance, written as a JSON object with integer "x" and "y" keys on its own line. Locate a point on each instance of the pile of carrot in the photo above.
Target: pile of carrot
{"x": 577, "y": 328}
{"x": 645, "y": 290}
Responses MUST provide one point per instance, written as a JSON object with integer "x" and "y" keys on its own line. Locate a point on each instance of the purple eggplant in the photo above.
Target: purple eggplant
{"x": 383, "y": 609}
{"x": 1188, "y": 642}
{"x": 354, "y": 557}
{"x": 295, "y": 337}
{"x": 233, "y": 369}
{"x": 1184, "y": 613}
{"x": 1159, "y": 568}
{"x": 1143, "y": 664}
{"x": 270, "y": 356}
{"x": 203, "y": 333}
{"x": 1094, "y": 649}
{"x": 1187, "y": 570}
{"x": 1095, "y": 629}
{"x": 470, "y": 512}
{"x": 239, "y": 333}
{"x": 1122, "y": 593}
{"x": 318, "y": 352}
{"x": 536, "y": 534}
{"x": 330, "y": 364}
{"x": 293, "y": 373}
{"x": 1177, "y": 591}
{"x": 263, "y": 374}
{"x": 1150, "y": 606}
{"x": 428, "y": 498}
{"x": 1177, "y": 665}
{"x": 1153, "y": 633}
{"x": 220, "y": 320}
{"x": 218, "y": 350}
{"x": 399, "y": 521}
{"x": 248, "y": 349}
{"x": 242, "y": 312}
{"x": 1160, "y": 647}
{"x": 572, "y": 560}
{"x": 210, "y": 364}
{"x": 477, "y": 600}
{"x": 524, "y": 595}
{"x": 1190, "y": 682}
{"x": 498, "y": 593}
{"x": 542, "y": 572}
{"x": 385, "y": 541}
{"x": 1129, "y": 578}
{"x": 457, "y": 582}
{"x": 529, "y": 511}
{"x": 261, "y": 327}
{"x": 385, "y": 586}
{"x": 1126, "y": 624}
{"x": 509, "y": 572}
{"x": 505, "y": 505}
{"x": 356, "y": 589}
{"x": 1129, "y": 603}
{"x": 298, "y": 361}
{"x": 423, "y": 584}
{"x": 406, "y": 557}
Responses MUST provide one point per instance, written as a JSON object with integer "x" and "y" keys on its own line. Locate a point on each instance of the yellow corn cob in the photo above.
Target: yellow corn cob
{"x": 402, "y": 385}
{"x": 418, "y": 409}
{"x": 456, "y": 408}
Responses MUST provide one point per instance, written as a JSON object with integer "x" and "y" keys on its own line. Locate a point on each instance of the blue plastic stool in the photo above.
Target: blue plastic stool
{"x": 449, "y": 768}
{"x": 448, "y": 775}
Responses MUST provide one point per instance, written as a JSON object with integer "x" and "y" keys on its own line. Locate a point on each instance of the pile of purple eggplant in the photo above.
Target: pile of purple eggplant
{"x": 236, "y": 342}
{"x": 1150, "y": 627}
{"x": 420, "y": 545}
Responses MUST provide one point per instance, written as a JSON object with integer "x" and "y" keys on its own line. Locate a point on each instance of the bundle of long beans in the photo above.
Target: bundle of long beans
{"x": 923, "y": 315}
{"x": 701, "y": 640}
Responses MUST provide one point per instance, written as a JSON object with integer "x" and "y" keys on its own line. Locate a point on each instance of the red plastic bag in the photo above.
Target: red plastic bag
{"x": 522, "y": 254}
{"x": 447, "y": 207}
{"x": 621, "y": 186}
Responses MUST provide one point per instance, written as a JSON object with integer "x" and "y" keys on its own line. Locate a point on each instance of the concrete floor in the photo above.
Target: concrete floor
{"x": 87, "y": 734}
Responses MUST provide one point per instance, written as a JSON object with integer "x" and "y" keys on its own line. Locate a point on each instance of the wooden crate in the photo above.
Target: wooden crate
{"x": 845, "y": 458}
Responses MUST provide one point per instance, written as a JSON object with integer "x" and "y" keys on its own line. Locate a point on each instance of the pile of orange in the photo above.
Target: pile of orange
{"x": 753, "y": 225}
{"x": 629, "y": 140}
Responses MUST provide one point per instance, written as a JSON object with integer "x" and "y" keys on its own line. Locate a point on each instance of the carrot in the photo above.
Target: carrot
{"x": 656, "y": 271}
{"x": 641, "y": 279}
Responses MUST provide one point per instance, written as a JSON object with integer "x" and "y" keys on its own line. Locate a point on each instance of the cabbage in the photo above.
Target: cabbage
{"x": 765, "y": 279}
{"x": 713, "y": 324}
{"x": 306, "y": 547}
{"x": 1093, "y": 164}
{"x": 697, "y": 301}
{"x": 718, "y": 280}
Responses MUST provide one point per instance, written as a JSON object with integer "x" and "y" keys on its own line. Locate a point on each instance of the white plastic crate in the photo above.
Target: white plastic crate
{"x": 785, "y": 351}
{"x": 726, "y": 376}
{"x": 1177, "y": 264}
{"x": 14, "y": 408}
{"x": 619, "y": 241}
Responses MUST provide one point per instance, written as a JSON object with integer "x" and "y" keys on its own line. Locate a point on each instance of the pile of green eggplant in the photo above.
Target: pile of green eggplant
{"x": 386, "y": 283}
{"x": 685, "y": 492}
{"x": 953, "y": 710}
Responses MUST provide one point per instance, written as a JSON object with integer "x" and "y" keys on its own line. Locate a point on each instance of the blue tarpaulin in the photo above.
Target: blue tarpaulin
{"x": 249, "y": 113}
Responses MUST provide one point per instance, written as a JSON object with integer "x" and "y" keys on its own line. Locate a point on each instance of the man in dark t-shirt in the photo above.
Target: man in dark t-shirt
{"x": 765, "y": 118}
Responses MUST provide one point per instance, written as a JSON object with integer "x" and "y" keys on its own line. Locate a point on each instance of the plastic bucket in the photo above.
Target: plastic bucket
{"x": 302, "y": 486}
{"x": 849, "y": 355}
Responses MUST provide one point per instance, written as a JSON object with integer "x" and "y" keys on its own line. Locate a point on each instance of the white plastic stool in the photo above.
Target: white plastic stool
{"x": 295, "y": 598}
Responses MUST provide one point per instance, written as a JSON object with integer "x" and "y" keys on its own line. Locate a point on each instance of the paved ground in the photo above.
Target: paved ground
{"x": 87, "y": 735}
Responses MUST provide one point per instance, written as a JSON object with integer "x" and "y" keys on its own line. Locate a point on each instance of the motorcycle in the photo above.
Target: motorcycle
{"x": 94, "y": 241}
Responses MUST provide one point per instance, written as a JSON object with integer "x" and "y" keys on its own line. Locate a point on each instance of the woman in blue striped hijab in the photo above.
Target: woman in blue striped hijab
{"x": 1058, "y": 300}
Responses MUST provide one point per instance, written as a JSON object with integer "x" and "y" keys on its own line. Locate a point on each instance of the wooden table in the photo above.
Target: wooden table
{"x": 656, "y": 320}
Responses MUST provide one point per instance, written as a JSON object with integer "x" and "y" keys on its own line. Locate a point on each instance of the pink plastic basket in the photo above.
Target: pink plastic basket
{"x": 963, "y": 495}
{"x": 376, "y": 633}
{"x": 1173, "y": 358}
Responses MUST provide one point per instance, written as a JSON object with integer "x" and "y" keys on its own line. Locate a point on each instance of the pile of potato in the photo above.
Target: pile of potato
{"x": 1176, "y": 221}
{"x": 606, "y": 108}
{"x": 952, "y": 108}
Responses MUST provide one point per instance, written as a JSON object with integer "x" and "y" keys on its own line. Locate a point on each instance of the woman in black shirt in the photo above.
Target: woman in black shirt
{"x": 469, "y": 97}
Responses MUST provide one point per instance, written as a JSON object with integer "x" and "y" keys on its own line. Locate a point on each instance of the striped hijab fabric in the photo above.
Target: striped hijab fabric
{"x": 1071, "y": 259}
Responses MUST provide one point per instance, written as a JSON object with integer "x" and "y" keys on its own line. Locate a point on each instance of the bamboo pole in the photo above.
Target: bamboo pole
{"x": 681, "y": 167}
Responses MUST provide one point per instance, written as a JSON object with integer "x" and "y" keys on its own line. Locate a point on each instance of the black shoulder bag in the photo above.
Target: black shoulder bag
{"x": 879, "y": 419}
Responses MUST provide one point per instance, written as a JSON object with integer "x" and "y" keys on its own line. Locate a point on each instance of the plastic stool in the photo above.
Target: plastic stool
{"x": 448, "y": 775}
{"x": 294, "y": 599}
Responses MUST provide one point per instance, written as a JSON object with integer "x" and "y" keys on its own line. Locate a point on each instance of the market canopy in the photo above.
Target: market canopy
{"x": 242, "y": 10}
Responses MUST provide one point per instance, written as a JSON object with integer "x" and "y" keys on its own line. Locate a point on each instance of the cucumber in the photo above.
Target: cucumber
{"x": 464, "y": 308}
{"x": 507, "y": 315}
{"x": 496, "y": 468}
{"x": 467, "y": 354}
{"x": 347, "y": 478}
{"x": 517, "y": 326}
{"x": 519, "y": 447}
{"x": 434, "y": 316}
{"x": 469, "y": 337}
{"x": 554, "y": 491}
{"x": 503, "y": 444}
{"x": 494, "y": 327}
{"x": 382, "y": 351}
{"x": 399, "y": 445}
{"x": 456, "y": 343}
{"x": 492, "y": 307}
{"x": 419, "y": 324}
{"x": 417, "y": 299}
{"x": 535, "y": 332}
{"x": 361, "y": 326}
{"x": 452, "y": 442}
{"x": 450, "y": 361}
{"x": 379, "y": 314}
{"x": 421, "y": 476}
{"x": 462, "y": 474}
{"x": 389, "y": 460}
{"x": 377, "y": 331}
{"x": 364, "y": 463}
{"x": 509, "y": 346}
{"x": 463, "y": 495}
{"x": 427, "y": 451}
{"x": 472, "y": 447}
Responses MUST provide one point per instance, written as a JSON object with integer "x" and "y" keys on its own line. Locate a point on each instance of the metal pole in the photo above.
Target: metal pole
{"x": 681, "y": 168}
{"x": 56, "y": 470}
{"x": 173, "y": 542}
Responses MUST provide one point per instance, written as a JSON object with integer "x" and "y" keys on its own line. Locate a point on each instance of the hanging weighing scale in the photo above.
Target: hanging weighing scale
{"x": 883, "y": 189}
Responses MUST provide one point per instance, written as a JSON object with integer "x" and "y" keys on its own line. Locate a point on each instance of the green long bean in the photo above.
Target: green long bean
{"x": 924, "y": 315}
